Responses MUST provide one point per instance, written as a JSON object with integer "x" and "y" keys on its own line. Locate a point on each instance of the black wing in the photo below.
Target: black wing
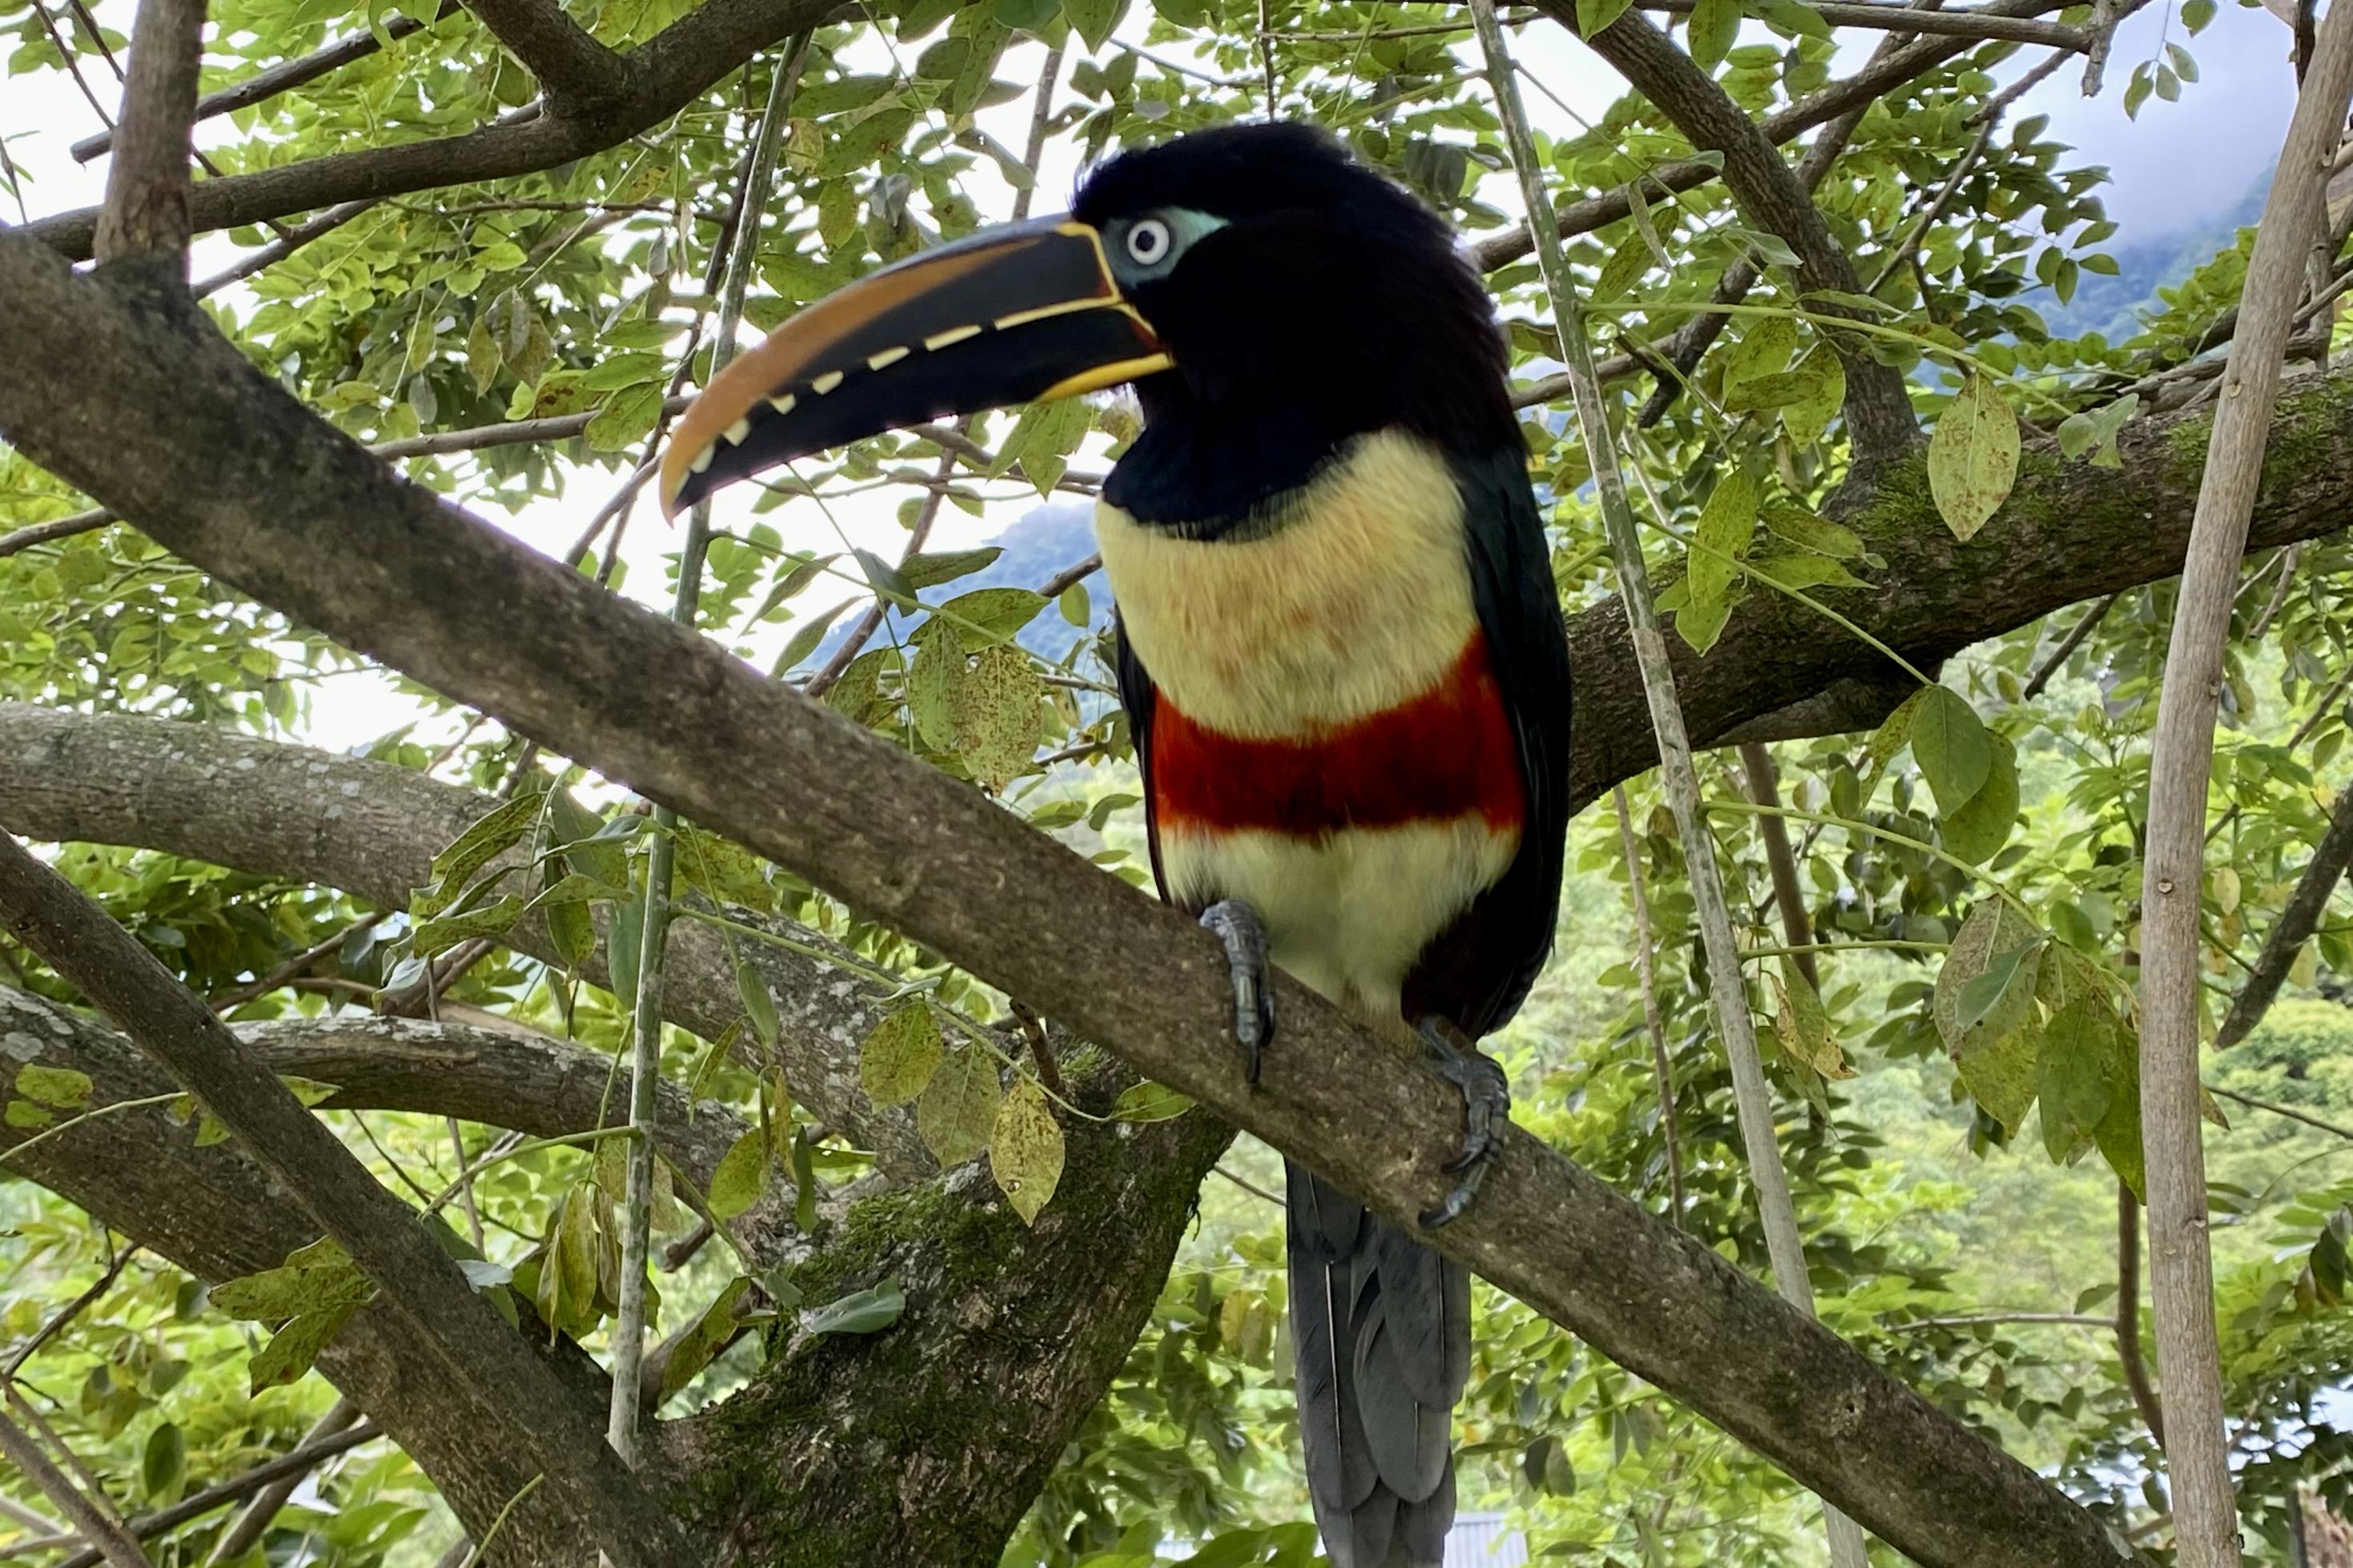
{"x": 1477, "y": 972}
{"x": 1139, "y": 697}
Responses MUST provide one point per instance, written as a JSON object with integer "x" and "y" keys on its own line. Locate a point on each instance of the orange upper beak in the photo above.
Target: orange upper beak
{"x": 1022, "y": 314}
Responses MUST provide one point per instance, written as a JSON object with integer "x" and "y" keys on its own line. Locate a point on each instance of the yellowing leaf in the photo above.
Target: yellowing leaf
{"x": 742, "y": 1176}
{"x": 60, "y": 1087}
{"x": 1801, "y": 1027}
{"x": 1986, "y": 987}
{"x": 1973, "y": 457}
{"x": 995, "y": 714}
{"x": 900, "y": 1056}
{"x": 1024, "y": 1150}
{"x": 957, "y": 1113}
{"x": 1725, "y": 526}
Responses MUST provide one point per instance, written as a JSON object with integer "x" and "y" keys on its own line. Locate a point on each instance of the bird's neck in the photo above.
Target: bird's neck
{"x": 1218, "y": 470}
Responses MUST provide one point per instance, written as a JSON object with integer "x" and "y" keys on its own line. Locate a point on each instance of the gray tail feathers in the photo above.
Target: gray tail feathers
{"x": 1380, "y": 1331}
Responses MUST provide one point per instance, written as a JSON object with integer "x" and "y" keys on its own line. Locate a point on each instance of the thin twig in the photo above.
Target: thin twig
{"x": 1964, "y": 23}
{"x": 84, "y": 1514}
{"x": 645, "y": 1035}
{"x": 2067, "y": 645}
{"x": 2297, "y": 921}
{"x": 245, "y": 1531}
{"x": 1646, "y": 971}
{"x": 1729, "y": 992}
{"x": 69, "y": 1312}
{"x": 2127, "y": 1320}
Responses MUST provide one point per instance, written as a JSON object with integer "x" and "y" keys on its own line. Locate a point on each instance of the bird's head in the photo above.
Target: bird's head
{"x": 1235, "y": 275}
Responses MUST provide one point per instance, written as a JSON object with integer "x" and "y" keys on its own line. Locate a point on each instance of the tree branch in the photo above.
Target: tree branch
{"x": 234, "y": 475}
{"x": 2182, "y": 1279}
{"x": 372, "y": 830}
{"x": 1883, "y": 75}
{"x": 576, "y": 74}
{"x": 468, "y": 1342}
{"x": 2295, "y": 926}
{"x": 286, "y": 1470}
{"x": 281, "y": 77}
{"x": 1975, "y": 24}
{"x": 1878, "y": 406}
{"x": 88, "y": 1517}
{"x": 246, "y": 1531}
{"x": 670, "y": 70}
{"x": 146, "y": 215}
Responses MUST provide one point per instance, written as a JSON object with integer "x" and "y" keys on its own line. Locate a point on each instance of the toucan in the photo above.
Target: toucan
{"x": 1339, "y": 646}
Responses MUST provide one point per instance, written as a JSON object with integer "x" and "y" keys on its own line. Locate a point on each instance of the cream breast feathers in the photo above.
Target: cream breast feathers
{"x": 1358, "y": 599}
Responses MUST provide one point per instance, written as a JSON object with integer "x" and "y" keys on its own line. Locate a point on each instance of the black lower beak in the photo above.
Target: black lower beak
{"x": 1022, "y": 314}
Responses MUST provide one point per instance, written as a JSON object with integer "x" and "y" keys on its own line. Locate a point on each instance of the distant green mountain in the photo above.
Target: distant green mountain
{"x": 2112, "y": 306}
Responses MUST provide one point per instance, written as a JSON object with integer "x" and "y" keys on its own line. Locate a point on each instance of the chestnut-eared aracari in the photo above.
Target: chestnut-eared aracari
{"x": 1340, "y": 651}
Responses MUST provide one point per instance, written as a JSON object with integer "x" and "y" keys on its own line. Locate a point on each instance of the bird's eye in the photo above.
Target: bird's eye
{"x": 1147, "y": 242}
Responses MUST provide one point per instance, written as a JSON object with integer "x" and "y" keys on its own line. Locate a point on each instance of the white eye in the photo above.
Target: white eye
{"x": 1147, "y": 242}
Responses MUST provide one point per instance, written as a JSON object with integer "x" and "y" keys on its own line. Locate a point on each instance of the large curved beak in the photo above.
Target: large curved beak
{"x": 1024, "y": 313}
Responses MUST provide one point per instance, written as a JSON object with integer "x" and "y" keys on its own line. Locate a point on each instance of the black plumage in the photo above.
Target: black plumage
{"x": 1335, "y": 306}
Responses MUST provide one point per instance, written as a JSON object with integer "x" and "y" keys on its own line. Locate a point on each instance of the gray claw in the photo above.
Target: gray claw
{"x": 1487, "y": 1109}
{"x": 1237, "y": 927}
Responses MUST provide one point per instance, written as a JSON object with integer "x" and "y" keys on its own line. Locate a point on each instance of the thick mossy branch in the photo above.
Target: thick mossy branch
{"x": 372, "y": 830}
{"x": 1011, "y": 1332}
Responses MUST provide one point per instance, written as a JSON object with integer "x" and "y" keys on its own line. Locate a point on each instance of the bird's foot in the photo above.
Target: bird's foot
{"x": 1486, "y": 1110}
{"x": 1236, "y": 925}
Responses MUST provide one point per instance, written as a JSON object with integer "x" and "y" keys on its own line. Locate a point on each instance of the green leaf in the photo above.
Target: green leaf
{"x": 624, "y": 942}
{"x": 1076, "y": 606}
{"x": 1801, "y": 1027}
{"x": 987, "y": 616}
{"x": 859, "y": 1312}
{"x": 626, "y": 418}
{"x": 701, "y": 1344}
{"x": 1715, "y": 27}
{"x": 1095, "y": 19}
{"x": 293, "y": 1349}
{"x": 901, "y": 1055}
{"x": 804, "y": 641}
{"x": 1807, "y": 416}
{"x": 2001, "y": 1073}
{"x": 1973, "y": 457}
{"x": 1623, "y": 269}
{"x": 1593, "y": 16}
{"x": 1024, "y": 1150}
{"x": 1894, "y": 732}
{"x": 2118, "y": 1132}
{"x": 1986, "y": 988}
{"x": 1764, "y": 348}
{"x": 27, "y": 1117}
{"x": 958, "y": 1112}
{"x": 62, "y": 1089}
{"x": 759, "y": 1005}
{"x": 743, "y": 1175}
{"x": 1726, "y": 524}
{"x": 429, "y": 938}
{"x": 2082, "y": 1055}
{"x": 1982, "y": 826}
{"x": 163, "y": 1464}
{"x": 1149, "y": 1101}
{"x": 491, "y": 836}
{"x": 1951, "y": 745}
{"x": 929, "y": 571}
